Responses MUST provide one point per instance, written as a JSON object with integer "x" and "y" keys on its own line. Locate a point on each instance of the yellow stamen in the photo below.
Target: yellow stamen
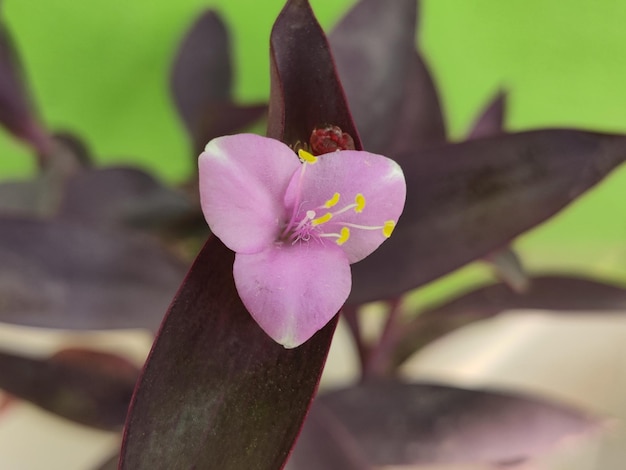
{"x": 360, "y": 203}
{"x": 343, "y": 236}
{"x": 388, "y": 228}
{"x": 306, "y": 156}
{"x": 323, "y": 219}
{"x": 332, "y": 201}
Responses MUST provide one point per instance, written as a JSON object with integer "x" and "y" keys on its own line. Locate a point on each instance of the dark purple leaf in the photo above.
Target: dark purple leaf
{"x": 420, "y": 122}
{"x": 57, "y": 275}
{"x": 397, "y": 424}
{"x": 505, "y": 262}
{"x": 306, "y": 93}
{"x": 201, "y": 83}
{"x": 390, "y": 91}
{"x": 40, "y": 196}
{"x": 123, "y": 198}
{"x": 469, "y": 199}
{"x": 88, "y": 387}
{"x": 491, "y": 121}
{"x": 325, "y": 443}
{"x": 16, "y": 113}
{"x": 22, "y": 197}
{"x": 216, "y": 392}
{"x": 550, "y": 293}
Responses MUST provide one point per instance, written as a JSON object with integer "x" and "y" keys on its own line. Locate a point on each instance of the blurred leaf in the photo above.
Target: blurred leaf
{"x": 420, "y": 121}
{"x": 89, "y": 387}
{"x": 326, "y": 444}
{"x": 468, "y": 199}
{"x": 16, "y": 113}
{"x": 58, "y": 275}
{"x": 549, "y": 293}
{"x": 491, "y": 121}
{"x": 505, "y": 262}
{"x": 376, "y": 80}
{"x": 217, "y": 392}
{"x": 397, "y": 423}
{"x": 201, "y": 83}
{"x": 305, "y": 93}
{"x": 41, "y": 195}
{"x": 123, "y": 198}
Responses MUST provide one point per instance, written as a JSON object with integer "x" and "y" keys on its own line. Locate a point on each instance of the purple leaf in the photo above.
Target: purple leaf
{"x": 468, "y": 199}
{"x": 551, "y": 293}
{"x": 505, "y": 262}
{"x": 88, "y": 387}
{"x": 325, "y": 443}
{"x": 306, "y": 93}
{"x": 123, "y": 198}
{"x": 57, "y": 275}
{"x": 491, "y": 121}
{"x": 216, "y": 391}
{"x": 16, "y": 112}
{"x": 201, "y": 83}
{"x": 393, "y": 423}
{"x": 389, "y": 88}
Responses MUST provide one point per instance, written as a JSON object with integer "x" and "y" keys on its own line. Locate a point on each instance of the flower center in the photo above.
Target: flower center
{"x": 321, "y": 222}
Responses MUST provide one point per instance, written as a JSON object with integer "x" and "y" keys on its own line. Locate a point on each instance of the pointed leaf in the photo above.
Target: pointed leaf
{"x": 88, "y": 387}
{"x": 388, "y": 85}
{"x": 550, "y": 293}
{"x": 16, "y": 112}
{"x": 57, "y": 275}
{"x": 468, "y": 199}
{"x": 201, "y": 83}
{"x": 491, "y": 121}
{"x": 305, "y": 93}
{"x": 216, "y": 392}
{"x": 396, "y": 423}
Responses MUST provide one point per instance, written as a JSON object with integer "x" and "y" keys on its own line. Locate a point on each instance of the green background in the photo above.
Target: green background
{"x": 100, "y": 69}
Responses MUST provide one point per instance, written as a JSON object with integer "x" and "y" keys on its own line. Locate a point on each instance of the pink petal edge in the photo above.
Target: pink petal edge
{"x": 349, "y": 172}
{"x": 292, "y": 291}
{"x": 243, "y": 179}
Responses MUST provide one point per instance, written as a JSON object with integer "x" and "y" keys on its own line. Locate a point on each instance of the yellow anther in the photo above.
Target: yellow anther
{"x": 360, "y": 203}
{"x": 323, "y": 219}
{"x": 332, "y": 201}
{"x": 343, "y": 236}
{"x": 388, "y": 228}
{"x": 306, "y": 156}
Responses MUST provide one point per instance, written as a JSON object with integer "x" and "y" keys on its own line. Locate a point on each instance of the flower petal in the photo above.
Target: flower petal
{"x": 242, "y": 182}
{"x": 349, "y": 172}
{"x": 292, "y": 291}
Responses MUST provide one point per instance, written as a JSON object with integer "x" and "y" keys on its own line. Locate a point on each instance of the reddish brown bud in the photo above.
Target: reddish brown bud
{"x": 329, "y": 139}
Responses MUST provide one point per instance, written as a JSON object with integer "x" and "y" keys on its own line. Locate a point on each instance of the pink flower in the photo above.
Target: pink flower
{"x": 296, "y": 225}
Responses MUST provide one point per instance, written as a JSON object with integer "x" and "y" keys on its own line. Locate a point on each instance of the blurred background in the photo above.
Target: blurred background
{"x": 100, "y": 69}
